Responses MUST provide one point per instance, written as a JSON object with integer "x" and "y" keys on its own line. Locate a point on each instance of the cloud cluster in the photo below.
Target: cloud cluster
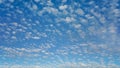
{"x": 52, "y": 31}
{"x": 66, "y": 65}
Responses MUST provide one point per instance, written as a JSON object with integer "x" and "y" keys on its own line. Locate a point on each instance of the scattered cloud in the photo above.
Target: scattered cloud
{"x": 43, "y": 21}
{"x": 63, "y": 7}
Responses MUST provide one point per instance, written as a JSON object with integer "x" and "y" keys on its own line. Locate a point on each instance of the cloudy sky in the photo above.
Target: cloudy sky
{"x": 59, "y": 33}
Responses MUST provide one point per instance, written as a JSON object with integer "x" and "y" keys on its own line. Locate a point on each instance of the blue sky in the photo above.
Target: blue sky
{"x": 58, "y": 33}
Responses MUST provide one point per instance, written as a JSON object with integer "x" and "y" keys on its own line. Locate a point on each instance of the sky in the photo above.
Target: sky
{"x": 59, "y": 33}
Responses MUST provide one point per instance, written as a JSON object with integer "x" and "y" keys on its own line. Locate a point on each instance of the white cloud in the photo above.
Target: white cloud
{"x": 15, "y": 23}
{"x": 37, "y": 0}
{"x": 35, "y": 37}
{"x": 64, "y": 65}
{"x": 112, "y": 29}
{"x": 116, "y": 12}
{"x": 49, "y": 3}
{"x": 29, "y": 50}
{"x": 80, "y": 11}
{"x": 1, "y": 1}
{"x": 64, "y": 1}
{"x": 62, "y": 7}
{"x": 14, "y": 37}
{"x": 19, "y": 11}
{"x": 83, "y": 20}
{"x": 11, "y": 0}
{"x": 35, "y": 7}
{"x": 69, "y": 19}
{"x": 77, "y": 25}
{"x": 49, "y": 10}
{"x": 102, "y": 19}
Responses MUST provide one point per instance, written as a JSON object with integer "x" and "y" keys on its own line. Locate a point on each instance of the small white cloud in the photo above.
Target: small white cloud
{"x": 64, "y": 65}
{"x": 40, "y": 13}
{"x": 35, "y": 7}
{"x": 69, "y": 19}
{"x": 82, "y": 20}
{"x": 29, "y": 50}
{"x": 49, "y": 10}
{"x": 37, "y": 0}
{"x": 11, "y": 1}
{"x": 15, "y": 23}
{"x": 112, "y": 29}
{"x": 116, "y": 12}
{"x": 19, "y": 11}
{"x": 102, "y": 19}
{"x": 62, "y": 7}
{"x": 35, "y": 37}
{"x": 77, "y": 25}
{"x": 1, "y": 1}
{"x": 64, "y": 1}
{"x": 80, "y": 11}
{"x": 14, "y": 37}
{"x": 49, "y": 3}
{"x": 3, "y": 24}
